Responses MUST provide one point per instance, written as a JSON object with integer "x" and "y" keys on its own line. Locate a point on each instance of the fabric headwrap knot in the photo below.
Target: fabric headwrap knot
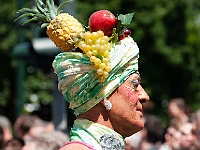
{"x": 78, "y": 81}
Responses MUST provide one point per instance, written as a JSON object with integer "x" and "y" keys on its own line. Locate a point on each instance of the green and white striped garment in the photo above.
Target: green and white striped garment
{"x": 77, "y": 79}
{"x": 96, "y": 135}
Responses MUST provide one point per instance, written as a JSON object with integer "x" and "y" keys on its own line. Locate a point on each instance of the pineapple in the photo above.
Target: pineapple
{"x": 62, "y": 28}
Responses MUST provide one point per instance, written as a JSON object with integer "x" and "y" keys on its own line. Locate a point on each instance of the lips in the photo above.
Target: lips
{"x": 139, "y": 109}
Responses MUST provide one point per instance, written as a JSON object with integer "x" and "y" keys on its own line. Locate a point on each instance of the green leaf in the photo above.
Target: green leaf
{"x": 44, "y": 25}
{"x": 125, "y": 19}
{"x": 63, "y": 4}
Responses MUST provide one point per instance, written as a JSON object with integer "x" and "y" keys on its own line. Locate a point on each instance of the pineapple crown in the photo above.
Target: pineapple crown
{"x": 44, "y": 12}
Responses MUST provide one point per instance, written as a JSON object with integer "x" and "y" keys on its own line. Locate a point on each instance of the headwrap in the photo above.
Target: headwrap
{"x": 77, "y": 79}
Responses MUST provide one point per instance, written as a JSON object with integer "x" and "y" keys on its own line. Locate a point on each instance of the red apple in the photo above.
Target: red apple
{"x": 102, "y": 20}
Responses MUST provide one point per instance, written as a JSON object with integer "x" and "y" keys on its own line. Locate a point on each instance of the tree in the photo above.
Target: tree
{"x": 167, "y": 33}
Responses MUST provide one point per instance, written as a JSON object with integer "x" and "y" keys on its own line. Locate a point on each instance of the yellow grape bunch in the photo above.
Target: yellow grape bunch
{"x": 97, "y": 46}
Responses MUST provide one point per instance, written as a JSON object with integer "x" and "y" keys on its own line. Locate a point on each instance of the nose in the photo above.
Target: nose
{"x": 143, "y": 96}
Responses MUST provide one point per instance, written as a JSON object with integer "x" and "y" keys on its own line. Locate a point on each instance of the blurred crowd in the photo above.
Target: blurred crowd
{"x": 29, "y": 132}
{"x": 182, "y": 132}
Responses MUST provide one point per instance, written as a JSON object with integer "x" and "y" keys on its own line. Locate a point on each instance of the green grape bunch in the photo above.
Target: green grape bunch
{"x": 97, "y": 46}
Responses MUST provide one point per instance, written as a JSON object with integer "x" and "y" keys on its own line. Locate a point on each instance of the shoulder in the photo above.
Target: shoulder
{"x": 76, "y": 145}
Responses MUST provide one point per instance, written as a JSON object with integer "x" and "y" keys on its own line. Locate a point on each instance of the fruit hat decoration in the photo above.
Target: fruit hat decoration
{"x": 62, "y": 28}
{"x": 96, "y": 59}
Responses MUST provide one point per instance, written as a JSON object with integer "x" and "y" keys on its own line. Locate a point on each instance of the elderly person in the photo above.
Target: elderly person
{"x": 99, "y": 77}
{"x": 107, "y": 111}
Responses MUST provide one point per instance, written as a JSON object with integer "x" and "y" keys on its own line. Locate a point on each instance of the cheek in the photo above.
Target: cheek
{"x": 129, "y": 94}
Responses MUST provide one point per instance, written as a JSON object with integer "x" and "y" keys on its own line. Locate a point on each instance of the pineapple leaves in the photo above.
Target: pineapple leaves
{"x": 51, "y": 8}
{"x": 43, "y": 25}
{"x": 24, "y": 15}
{"x": 27, "y": 13}
{"x": 41, "y": 7}
{"x": 27, "y": 10}
{"x": 59, "y": 10}
{"x": 30, "y": 20}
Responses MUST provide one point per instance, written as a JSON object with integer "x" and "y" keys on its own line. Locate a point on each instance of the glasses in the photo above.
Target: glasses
{"x": 135, "y": 79}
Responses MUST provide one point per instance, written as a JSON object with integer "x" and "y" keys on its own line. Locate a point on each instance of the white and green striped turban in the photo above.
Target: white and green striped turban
{"x": 77, "y": 79}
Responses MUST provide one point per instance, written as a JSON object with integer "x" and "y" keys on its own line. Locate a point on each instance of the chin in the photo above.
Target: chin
{"x": 135, "y": 128}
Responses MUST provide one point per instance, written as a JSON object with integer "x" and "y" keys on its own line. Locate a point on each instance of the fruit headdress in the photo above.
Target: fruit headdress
{"x": 96, "y": 60}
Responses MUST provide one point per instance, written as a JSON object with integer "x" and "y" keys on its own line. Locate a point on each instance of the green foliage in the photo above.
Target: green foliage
{"x": 167, "y": 33}
{"x": 7, "y": 40}
{"x": 39, "y": 84}
{"x": 167, "y": 36}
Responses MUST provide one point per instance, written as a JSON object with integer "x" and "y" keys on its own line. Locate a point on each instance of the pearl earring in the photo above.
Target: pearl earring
{"x": 108, "y": 104}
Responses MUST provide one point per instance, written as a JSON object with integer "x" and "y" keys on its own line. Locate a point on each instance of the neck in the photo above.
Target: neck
{"x": 98, "y": 114}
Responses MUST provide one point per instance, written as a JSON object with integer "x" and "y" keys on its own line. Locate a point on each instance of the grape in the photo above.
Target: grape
{"x": 102, "y": 42}
{"x": 81, "y": 44}
{"x": 101, "y": 79}
{"x": 96, "y": 46}
{"x": 100, "y": 33}
{"x": 108, "y": 68}
{"x": 105, "y": 74}
{"x": 87, "y": 48}
{"x": 100, "y": 71}
{"x": 106, "y": 54}
{"x": 106, "y": 38}
{"x": 97, "y": 61}
{"x": 93, "y": 47}
{"x": 105, "y": 60}
{"x": 89, "y": 53}
{"x": 101, "y": 49}
{"x": 98, "y": 41}
{"x": 86, "y": 35}
{"x": 92, "y": 58}
{"x": 108, "y": 46}
{"x": 89, "y": 41}
{"x": 94, "y": 52}
{"x": 94, "y": 36}
{"x": 127, "y": 32}
{"x": 102, "y": 65}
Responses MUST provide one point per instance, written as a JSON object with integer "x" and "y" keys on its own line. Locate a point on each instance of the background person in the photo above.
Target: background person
{"x": 171, "y": 137}
{"x": 152, "y": 133}
{"x": 6, "y": 125}
{"x": 52, "y": 140}
{"x": 178, "y": 110}
{"x": 31, "y": 125}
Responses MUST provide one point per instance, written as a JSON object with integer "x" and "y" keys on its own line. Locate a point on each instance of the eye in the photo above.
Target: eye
{"x": 135, "y": 83}
{"x": 136, "y": 80}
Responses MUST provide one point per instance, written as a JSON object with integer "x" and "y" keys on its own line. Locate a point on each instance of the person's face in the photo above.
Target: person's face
{"x": 127, "y": 106}
{"x": 173, "y": 110}
{"x": 172, "y": 137}
{"x": 186, "y": 135}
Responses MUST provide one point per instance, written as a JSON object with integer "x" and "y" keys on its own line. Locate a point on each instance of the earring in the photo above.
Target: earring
{"x": 108, "y": 104}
